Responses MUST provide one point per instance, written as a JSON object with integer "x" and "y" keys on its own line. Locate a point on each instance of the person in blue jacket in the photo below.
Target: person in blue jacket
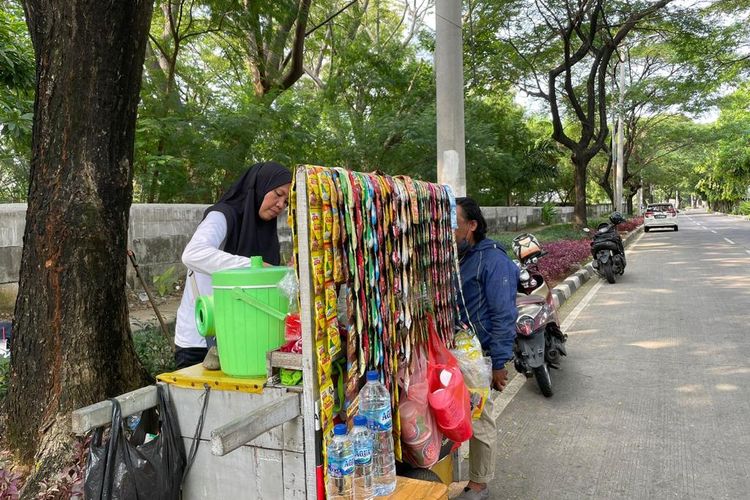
{"x": 489, "y": 280}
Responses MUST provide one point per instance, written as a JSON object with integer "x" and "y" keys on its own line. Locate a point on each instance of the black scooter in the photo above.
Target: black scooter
{"x": 607, "y": 249}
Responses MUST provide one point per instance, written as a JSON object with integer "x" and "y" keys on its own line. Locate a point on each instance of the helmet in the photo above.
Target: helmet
{"x": 616, "y": 218}
{"x": 526, "y": 246}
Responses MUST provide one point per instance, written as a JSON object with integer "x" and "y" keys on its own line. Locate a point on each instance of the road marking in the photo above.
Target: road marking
{"x": 507, "y": 395}
{"x": 515, "y": 385}
{"x": 570, "y": 318}
{"x": 714, "y": 232}
{"x": 729, "y": 241}
{"x": 748, "y": 251}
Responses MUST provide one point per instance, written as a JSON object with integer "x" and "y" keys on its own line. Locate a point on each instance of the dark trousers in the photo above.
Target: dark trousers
{"x": 189, "y": 356}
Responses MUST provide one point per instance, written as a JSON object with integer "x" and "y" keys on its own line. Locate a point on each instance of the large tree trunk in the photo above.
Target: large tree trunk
{"x": 579, "y": 214}
{"x": 72, "y": 344}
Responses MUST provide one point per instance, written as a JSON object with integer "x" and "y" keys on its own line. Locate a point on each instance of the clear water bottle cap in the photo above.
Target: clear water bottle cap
{"x": 339, "y": 430}
{"x": 360, "y": 420}
{"x": 372, "y": 375}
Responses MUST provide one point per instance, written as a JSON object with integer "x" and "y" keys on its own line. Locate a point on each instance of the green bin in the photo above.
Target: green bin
{"x": 246, "y": 313}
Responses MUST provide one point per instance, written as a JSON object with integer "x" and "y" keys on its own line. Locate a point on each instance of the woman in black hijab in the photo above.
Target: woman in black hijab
{"x": 240, "y": 225}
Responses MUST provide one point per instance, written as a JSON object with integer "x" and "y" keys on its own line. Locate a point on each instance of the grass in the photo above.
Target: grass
{"x": 154, "y": 351}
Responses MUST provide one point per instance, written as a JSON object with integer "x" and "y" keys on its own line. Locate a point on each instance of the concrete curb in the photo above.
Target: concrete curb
{"x": 569, "y": 285}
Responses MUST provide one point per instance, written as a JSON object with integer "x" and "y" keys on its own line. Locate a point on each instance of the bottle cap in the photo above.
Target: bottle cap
{"x": 360, "y": 420}
{"x": 339, "y": 430}
{"x": 372, "y": 375}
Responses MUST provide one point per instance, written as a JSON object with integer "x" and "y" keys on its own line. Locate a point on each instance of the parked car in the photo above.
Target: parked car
{"x": 660, "y": 215}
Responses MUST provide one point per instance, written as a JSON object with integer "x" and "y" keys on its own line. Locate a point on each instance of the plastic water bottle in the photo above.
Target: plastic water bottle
{"x": 375, "y": 404}
{"x": 340, "y": 465}
{"x": 361, "y": 437}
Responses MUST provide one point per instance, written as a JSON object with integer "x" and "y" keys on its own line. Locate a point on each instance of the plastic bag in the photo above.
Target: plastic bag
{"x": 421, "y": 439}
{"x": 123, "y": 469}
{"x": 476, "y": 369}
{"x": 448, "y": 396}
{"x": 289, "y": 288}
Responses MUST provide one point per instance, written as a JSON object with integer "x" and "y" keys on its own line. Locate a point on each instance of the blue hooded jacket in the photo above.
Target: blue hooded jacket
{"x": 490, "y": 281}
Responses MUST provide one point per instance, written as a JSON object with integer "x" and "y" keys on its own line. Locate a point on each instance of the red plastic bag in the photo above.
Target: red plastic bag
{"x": 421, "y": 439}
{"x": 448, "y": 395}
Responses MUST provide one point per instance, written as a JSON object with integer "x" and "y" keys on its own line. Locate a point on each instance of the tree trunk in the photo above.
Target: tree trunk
{"x": 580, "y": 218}
{"x": 72, "y": 344}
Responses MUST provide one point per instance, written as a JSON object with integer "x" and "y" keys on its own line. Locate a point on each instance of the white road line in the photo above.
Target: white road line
{"x": 570, "y": 319}
{"x": 714, "y": 232}
{"x": 748, "y": 251}
{"x": 729, "y": 241}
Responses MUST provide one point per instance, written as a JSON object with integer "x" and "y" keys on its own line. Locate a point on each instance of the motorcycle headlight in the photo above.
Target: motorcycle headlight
{"x": 525, "y": 325}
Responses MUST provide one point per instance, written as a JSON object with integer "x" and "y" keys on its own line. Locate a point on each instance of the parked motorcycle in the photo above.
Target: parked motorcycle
{"x": 540, "y": 343}
{"x": 607, "y": 249}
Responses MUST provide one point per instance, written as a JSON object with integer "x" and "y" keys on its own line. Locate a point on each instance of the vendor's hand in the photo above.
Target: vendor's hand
{"x": 499, "y": 379}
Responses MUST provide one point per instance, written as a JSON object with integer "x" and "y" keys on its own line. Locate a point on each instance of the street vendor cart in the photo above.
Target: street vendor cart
{"x": 375, "y": 260}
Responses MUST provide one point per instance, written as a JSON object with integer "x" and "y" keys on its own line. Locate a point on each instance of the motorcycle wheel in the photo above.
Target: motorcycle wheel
{"x": 541, "y": 373}
{"x": 609, "y": 273}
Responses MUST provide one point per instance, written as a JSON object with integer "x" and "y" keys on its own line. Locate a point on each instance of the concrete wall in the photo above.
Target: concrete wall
{"x": 516, "y": 218}
{"x": 159, "y": 232}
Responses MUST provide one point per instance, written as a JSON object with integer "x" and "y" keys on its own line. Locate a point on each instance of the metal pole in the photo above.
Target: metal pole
{"x": 449, "y": 81}
{"x": 620, "y": 141}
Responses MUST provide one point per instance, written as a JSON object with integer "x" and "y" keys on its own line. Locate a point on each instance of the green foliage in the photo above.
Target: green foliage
{"x": 154, "y": 351}
{"x": 548, "y": 213}
{"x": 165, "y": 281}
{"x": 743, "y": 208}
{"x": 4, "y": 377}
{"x": 16, "y": 102}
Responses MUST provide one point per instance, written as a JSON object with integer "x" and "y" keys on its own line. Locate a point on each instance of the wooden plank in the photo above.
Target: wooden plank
{"x": 289, "y": 360}
{"x": 414, "y": 489}
{"x": 99, "y": 414}
{"x": 310, "y": 394}
{"x": 241, "y": 430}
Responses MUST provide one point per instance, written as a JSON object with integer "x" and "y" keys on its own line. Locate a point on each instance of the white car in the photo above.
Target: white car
{"x": 660, "y": 215}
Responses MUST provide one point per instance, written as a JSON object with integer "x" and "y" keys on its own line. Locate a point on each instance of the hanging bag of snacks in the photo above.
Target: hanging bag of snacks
{"x": 420, "y": 436}
{"x": 448, "y": 395}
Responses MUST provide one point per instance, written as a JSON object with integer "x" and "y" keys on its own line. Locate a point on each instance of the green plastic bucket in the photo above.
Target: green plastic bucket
{"x": 246, "y": 313}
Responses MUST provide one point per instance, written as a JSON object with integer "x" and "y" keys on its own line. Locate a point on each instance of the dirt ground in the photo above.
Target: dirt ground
{"x": 142, "y": 313}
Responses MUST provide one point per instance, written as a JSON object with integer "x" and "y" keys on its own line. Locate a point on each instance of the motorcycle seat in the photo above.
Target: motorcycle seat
{"x": 523, "y": 299}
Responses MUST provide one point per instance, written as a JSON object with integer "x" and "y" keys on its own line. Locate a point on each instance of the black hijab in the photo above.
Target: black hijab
{"x": 247, "y": 233}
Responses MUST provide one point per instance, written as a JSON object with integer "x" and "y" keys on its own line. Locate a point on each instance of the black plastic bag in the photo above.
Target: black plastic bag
{"x": 123, "y": 469}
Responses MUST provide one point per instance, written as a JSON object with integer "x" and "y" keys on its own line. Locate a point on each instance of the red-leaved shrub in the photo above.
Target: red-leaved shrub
{"x": 563, "y": 258}
{"x": 630, "y": 224}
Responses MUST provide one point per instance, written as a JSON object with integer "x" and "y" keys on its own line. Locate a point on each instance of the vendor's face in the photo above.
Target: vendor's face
{"x": 274, "y": 202}
{"x": 465, "y": 227}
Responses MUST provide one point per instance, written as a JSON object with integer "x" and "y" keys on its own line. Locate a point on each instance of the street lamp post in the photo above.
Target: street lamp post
{"x": 449, "y": 80}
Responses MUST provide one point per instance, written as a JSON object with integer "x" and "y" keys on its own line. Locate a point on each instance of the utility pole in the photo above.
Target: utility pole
{"x": 620, "y": 141}
{"x": 449, "y": 80}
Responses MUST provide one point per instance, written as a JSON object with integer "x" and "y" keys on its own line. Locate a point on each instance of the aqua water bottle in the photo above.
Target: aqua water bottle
{"x": 361, "y": 437}
{"x": 375, "y": 404}
{"x": 340, "y": 466}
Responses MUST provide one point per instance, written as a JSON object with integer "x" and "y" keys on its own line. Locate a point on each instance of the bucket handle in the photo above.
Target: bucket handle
{"x": 248, "y": 299}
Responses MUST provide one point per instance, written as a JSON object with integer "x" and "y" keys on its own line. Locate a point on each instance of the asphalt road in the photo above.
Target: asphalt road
{"x": 653, "y": 401}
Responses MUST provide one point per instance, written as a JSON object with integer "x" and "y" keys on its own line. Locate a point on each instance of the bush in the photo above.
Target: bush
{"x": 744, "y": 208}
{"x": 630, "y": 224}
{"x": 563, "y": 258}
{"x": 154, "y": 351}
{"x": 4, "y": 375}
{"x": 549, "y": 212}
{"x": 10, "y": 479}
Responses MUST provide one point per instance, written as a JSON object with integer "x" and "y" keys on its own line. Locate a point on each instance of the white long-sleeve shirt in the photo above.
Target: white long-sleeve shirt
{"x": 203, "y": 255}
